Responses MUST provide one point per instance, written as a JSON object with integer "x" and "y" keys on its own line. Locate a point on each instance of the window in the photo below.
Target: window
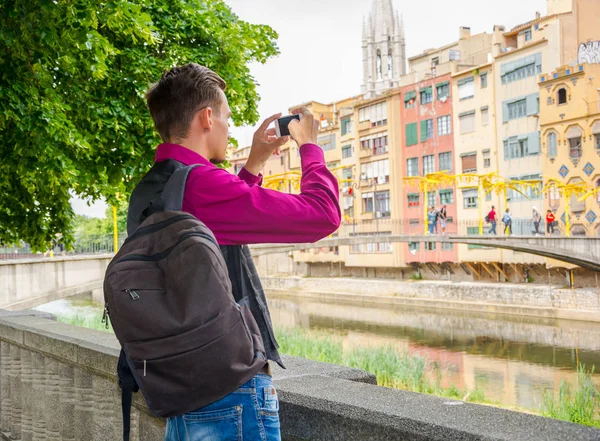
{"x": 518, "y": 109}
{"x": 428, "y": 164}
{"x": 553, "y": 197}
{"x": 374, "y": 247}
{"x": 367, "y": 202}
{"x": 527, "y": 34}
{"x": 444, "y": 125}
{"x": 430, "y": 246}
{"x": 347, "y": 151}
{"x": 443, "y": 91}
{"x": 283, "y": 161}
{"x": 597, "y": 142}
{"x": 327, "y": 142}
{"x": 426, "y": 95}
{"x": 411, "y": 134}
{"x": 574, "y": 135}
{"x": 466, "y": 88}
{"x": 412, "y": 167}
{"x": 382, "y": 203}
{"x": 454, "y": 55}
{"x": 520, "y": 69}
{"x": 469, "y": 162}
{"x": 410, "y": 99}
{"x": 447, "y": 246}
{"x": 446, "y": 197}
{"x": 413, "y": 199}
{"x": 413, "y": 246}
{"x": 426, "y": 130}
{"x": 446, "y": 161}
{"x": 467, "y": 122}
{"x": 377, "y": 143}
{"x": 435, "y": 61}
{"x": 470, "y": 198}
{"x": 377, "y": 169}
{"x": 526, "y": 193}
{"x": 515, "y": 148}
{"x": 431, "y": 198}
{"x": 237, "y": 168}
{"x": 346, "y": 126}
{"x": 377, "y": 114}
{"x": 576, "y": 205}
{"x": 483, "y": 80}
{"x": 487, "y": 161}
{"x": 552, "y": 145}
{"x": 485, "y": 116}
{"x": 562, "y": 96}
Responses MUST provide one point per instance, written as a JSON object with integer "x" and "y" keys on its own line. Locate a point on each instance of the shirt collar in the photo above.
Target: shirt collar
{"x": 181, "y": 154}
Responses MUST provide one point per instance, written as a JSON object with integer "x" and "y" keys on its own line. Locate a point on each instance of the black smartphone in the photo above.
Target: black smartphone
{"x": 281, "y": 125}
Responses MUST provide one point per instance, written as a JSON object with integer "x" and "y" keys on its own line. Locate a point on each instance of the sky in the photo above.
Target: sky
{"x": 320, "y": 45}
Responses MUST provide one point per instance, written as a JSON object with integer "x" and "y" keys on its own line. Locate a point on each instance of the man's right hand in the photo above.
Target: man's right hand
{"x": 304, "y": 131}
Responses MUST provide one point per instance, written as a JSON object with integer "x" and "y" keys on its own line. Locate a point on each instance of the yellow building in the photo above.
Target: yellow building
{"x": 570, "y": 127}
{"x": 476, "y": 152}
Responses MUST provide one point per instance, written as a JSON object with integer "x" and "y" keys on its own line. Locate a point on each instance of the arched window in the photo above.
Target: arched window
{"x": 390, "y": 65}
{"x": 562, "y": 96}
{"x": 552, "y": 145}
{"x": 379, "y": 74}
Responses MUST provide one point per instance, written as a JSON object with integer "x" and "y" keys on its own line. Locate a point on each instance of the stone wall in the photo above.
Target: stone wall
{"x": 30, "y": 282}
{"x": 58, "y": 382}
{"x": 521, "y": 299}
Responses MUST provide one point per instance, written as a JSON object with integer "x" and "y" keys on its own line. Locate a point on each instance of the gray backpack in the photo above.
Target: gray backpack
{"x": 185, "y": 340}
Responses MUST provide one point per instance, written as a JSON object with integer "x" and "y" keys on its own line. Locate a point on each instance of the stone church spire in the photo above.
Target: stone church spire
{"x": 384, "y": 49}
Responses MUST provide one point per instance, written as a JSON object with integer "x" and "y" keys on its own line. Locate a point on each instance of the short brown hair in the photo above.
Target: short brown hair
{"x": 179, "y": 95}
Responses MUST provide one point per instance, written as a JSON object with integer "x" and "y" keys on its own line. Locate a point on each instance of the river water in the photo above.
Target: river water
{"x": 513, "y": 359}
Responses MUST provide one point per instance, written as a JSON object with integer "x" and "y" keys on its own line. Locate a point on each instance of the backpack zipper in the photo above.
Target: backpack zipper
{"x": 134, "y": 295}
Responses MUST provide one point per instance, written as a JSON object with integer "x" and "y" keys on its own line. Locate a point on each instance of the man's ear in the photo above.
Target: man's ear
{"x": 205, "y": 118}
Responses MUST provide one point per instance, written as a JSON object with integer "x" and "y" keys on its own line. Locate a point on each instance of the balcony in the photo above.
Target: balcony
{"x": 365, "y": 153}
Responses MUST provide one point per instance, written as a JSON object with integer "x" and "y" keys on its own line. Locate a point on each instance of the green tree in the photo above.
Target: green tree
{"x": 73, "y": 74}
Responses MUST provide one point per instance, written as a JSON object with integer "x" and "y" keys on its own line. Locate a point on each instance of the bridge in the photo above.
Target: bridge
{"x": 581, "y": 251}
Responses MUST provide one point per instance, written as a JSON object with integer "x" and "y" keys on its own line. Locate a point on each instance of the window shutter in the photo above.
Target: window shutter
{"x": 533, "y": 104}
{"x": 533, "y": 143}
{"x": 469, "y": 163}
{"x": 411, "y": 134}
{"x": 505, "y": 112}
{"x": 506, "y": 147}
{"x": 423, "y": 131}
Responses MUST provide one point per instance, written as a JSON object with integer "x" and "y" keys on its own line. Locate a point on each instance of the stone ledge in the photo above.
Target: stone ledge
{"x": 317, "y": 400}
{"x": 325, "y": 408}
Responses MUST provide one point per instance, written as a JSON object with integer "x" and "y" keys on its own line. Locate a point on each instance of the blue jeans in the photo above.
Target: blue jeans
{"x": 493, "y": 229}
{"x": 251, "y": 413}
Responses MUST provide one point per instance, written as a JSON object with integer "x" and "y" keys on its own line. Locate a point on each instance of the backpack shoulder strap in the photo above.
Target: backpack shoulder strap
{"x": 128, "y": 387}
{"x": 172, "y": 195}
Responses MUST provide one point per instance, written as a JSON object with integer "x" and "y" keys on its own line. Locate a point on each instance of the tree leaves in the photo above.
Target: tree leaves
{"x": 73, "y": 75}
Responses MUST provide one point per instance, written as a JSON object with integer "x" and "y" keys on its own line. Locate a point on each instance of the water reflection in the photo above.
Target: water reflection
{"x": 513, "y": 359}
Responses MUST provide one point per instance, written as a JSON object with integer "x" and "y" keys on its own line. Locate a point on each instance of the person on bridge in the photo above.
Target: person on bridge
{"x": 443, "y": 215}
{"x": 191, "y": 114}
{"x": 492, "y": 219}
{"x": 507, "y": 221}
{"x": 536, "y": 217}
{"x": 550, "y": 219}
{"x": 432, "y": 217}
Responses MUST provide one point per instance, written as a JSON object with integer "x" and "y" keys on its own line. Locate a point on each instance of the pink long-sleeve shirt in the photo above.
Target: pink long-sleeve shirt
{"x": 239, "y": 211}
